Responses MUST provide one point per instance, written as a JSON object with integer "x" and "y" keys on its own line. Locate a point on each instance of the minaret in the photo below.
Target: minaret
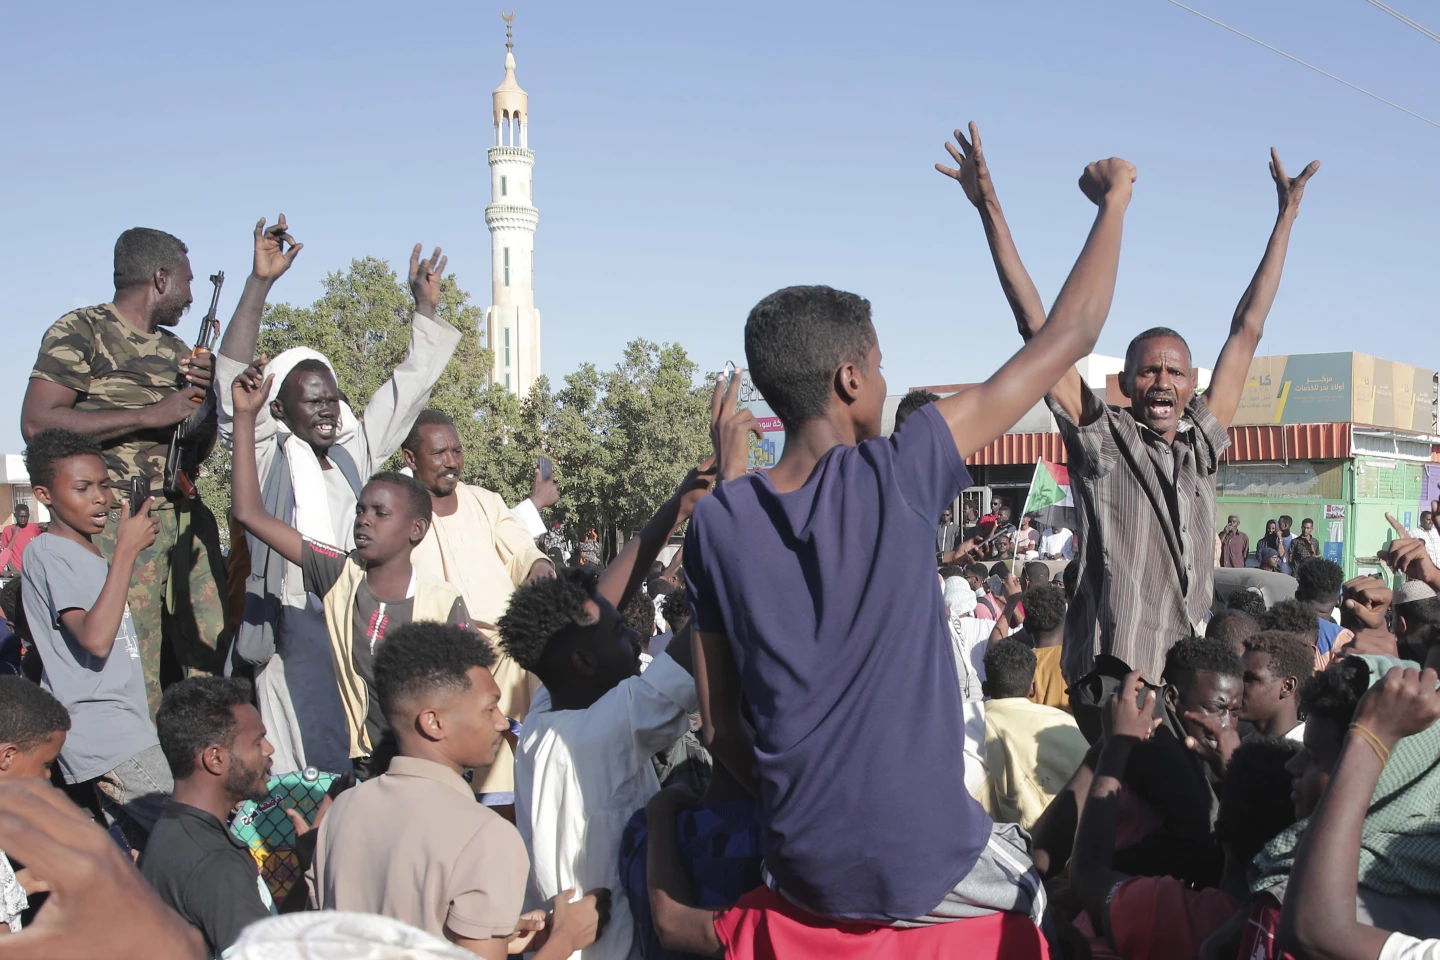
{"x": 512, "y": 324}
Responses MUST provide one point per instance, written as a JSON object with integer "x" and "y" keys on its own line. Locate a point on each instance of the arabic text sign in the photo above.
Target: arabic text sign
{"x": 1336, "y": 388}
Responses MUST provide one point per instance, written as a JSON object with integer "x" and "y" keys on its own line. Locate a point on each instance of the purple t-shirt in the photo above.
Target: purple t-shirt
{"x": 835, "y": 618}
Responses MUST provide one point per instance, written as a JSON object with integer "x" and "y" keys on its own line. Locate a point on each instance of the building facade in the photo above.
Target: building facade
{"x": 512, "y": 324}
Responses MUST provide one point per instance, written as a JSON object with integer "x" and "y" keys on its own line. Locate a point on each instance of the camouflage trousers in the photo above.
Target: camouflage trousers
{"x": 177, "y": 595}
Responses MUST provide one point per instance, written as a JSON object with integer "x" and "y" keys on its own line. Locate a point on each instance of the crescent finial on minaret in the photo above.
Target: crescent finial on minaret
{"x": 509, "y": 18}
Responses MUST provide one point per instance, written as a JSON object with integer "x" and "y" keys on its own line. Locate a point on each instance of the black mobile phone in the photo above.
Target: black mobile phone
{"x": 139, "y": 493}
{"x": 547, "y": 467}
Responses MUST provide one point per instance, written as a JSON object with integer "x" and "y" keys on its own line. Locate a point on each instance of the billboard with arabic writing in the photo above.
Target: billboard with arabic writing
{"x": 765, "y": 452}
{"x": 1337, "y": 388}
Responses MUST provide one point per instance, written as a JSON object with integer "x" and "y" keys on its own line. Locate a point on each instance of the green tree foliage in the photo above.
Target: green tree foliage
{"x": 621, "y": 439}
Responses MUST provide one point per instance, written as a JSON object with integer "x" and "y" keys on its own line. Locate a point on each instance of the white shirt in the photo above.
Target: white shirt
{"x": 970, "y": 638}
{"x": 579, "y": 777}
{"x": 1060, "y": 541}
{"x": 1400, "y": 947}
{"x": 1432, "y": 542}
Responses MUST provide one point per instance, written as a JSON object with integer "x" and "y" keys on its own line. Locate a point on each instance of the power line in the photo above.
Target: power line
{"x": 1414, "y": 25}
{"x": 1324, "y": 73}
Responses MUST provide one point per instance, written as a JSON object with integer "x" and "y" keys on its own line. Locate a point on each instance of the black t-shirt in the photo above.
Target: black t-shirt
{"x": 203, "y": 872}
{"x": 371, "y": 618}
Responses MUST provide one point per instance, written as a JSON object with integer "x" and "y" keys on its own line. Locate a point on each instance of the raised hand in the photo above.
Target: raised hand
{"x": 425, "y": 280}
{"x": 698, "y": 482}
{"x": 972, "y": 174}
{"x": 247, "y": 395}
{"x": 1126, "y": 715}
{"x": 271, "y": 257}
{"x": 1409, "y": 555}
{"x": 1402, "y": 704}
{"x": 1365, "y": 600}
{"x": 731, "y": 428}
{"x": 98, "y": 901}
{"x": 1108, "y": 180}
{"x": 544, "y": 492}
{"x": 1290, "y": 189}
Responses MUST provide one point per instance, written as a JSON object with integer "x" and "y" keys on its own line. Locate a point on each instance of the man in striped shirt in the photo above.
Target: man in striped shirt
{"x": 1143, "y": 476}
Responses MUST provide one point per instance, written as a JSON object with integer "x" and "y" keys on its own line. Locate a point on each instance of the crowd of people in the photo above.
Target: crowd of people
{"x": 836, "y": 722}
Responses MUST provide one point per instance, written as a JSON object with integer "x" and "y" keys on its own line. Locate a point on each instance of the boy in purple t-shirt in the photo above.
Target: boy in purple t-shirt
{"x": 813, "y": 586}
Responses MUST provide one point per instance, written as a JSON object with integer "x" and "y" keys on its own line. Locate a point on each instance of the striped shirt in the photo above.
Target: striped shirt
{"x": 1147, "y": 528}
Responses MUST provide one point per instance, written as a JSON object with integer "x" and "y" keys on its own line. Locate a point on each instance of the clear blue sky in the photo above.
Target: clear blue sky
{"x": 691, "y": 158}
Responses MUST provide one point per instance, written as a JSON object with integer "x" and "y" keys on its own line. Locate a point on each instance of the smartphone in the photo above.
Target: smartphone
{"x": 139, "y": 493}
{"x": 729, "y": 372}
{"x": 547, "y": 467}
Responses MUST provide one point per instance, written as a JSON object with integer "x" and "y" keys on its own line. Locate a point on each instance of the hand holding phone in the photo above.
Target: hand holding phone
{"x": 547, "y": 468}
{"x": 139, "y": 493}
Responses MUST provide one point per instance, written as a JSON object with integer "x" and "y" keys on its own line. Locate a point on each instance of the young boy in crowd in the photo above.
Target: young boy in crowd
{"x": 215, "y": 744}
{"x": 1317, "y": 587}
{"x": 1155, "y": 917}
{"x": 1298, "y": 619}
{"x": 813, "y": 586}
{"x": 459, "y": 869}
{"x": 582, "y": 767}
{"x": 32, "y": 731}
{"x": 1276, "y": 666}
{"x": 366, "y": 593}
{"x": 76, "y": 609}
{"x": 1031, "y": 750}
{"x": 1044, "y": 629}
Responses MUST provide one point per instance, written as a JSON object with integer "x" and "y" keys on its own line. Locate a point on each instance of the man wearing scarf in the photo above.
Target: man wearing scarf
{"x": 314, "y": 455}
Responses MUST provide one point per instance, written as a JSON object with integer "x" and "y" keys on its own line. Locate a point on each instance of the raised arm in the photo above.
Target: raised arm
{"x": 1127, "y": 723}
{"x": 1319, "y": 916}
{"x": 272, "y": 259}
{"x": 980, "y": 414}
{"x": 1248, "y": 324}
{"x": 248, "y": 394}
{"x": 623, "y": 577}
{"x": 973, "y": 176}
{"x": 393, "y": 408}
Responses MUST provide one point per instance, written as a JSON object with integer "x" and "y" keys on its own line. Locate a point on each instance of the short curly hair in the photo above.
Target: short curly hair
{"x": 1248, "y": 601}
{"x": 1232, "y": 627}
{"x": 195, "y": 714}
{"x": 1292, "y": 616}
{"x": 49, "y": 447}
{"x": 911, "y": 402}
{"x": 1319, "y": 579}
{"x": 1009, "y": 669}
{"x": 1192, "y": 655}
{"x": 28, "y": 713}
{"x": 1290, "y": 655}
{"x": 541, "y": 609}
{"x": 639, "y": 615}
{"x": 429, "y": 417}
{"x": 416, "y": 496}
{"x": 425, "y": 655}
{"x": 1335, "y": 692}
{"x": 676, "y": 608}
{"x": 1044, "y": 608}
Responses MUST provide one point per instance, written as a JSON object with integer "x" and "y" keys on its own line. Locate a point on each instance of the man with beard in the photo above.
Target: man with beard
{"x": 215, "y": 744}
{"x": 314, "y": 454}
{"x": 113, "y": 372}
{"x": 1143, "y": 476}
{"x": 478, "y": 546}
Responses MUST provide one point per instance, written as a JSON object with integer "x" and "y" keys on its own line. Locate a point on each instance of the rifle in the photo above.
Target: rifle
{"x": 192, "y": 439}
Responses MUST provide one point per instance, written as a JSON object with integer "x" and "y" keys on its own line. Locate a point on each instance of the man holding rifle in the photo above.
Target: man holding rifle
{"x": 115, "y": 373}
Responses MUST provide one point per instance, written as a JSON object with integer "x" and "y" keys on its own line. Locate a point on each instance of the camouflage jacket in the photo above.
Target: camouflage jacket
{"x": 113, "y": 366}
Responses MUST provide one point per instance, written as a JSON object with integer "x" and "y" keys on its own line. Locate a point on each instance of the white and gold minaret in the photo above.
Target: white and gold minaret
{"x": 512, "y": 324}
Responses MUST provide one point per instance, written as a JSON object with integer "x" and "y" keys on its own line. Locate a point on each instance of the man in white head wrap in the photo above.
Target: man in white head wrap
{"x": 314, "y": 455}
